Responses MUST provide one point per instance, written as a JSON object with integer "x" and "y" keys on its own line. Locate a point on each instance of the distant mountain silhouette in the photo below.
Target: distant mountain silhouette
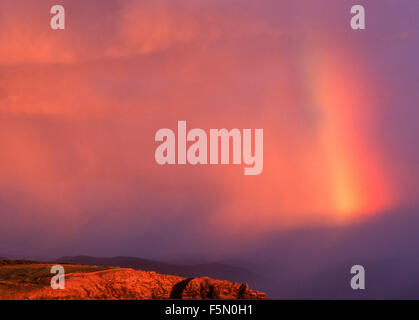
{"x": 214, "y": 270}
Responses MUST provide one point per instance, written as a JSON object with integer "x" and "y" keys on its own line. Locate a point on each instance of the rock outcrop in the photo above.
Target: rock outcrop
{"x": 123, "y": 283}
{"x": 207, "y": 288}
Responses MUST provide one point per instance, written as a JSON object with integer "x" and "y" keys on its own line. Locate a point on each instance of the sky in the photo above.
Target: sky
{"x": 79, "y": 109}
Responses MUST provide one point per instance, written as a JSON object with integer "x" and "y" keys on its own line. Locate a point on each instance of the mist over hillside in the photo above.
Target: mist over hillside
{"x": 315, "y": 263}
{"x": 310, "y": 263}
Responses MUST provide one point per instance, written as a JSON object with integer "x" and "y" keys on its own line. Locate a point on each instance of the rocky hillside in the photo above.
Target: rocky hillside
{"x": 216, "y": 270}
{"x": 124, "y": 283}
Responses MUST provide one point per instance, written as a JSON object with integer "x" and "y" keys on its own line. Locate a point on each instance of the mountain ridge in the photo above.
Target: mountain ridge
{"x": 214, "y": 270}
{"x": 31, "y": 281}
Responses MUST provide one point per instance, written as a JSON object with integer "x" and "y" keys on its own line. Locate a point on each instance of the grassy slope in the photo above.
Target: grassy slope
{"x": 18, "y": 276}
